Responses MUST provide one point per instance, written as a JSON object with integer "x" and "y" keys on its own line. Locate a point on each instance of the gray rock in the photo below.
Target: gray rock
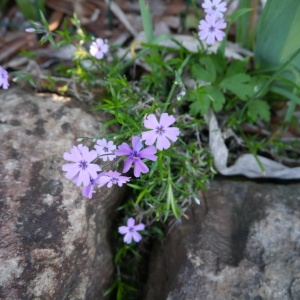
{"x": 242, "y": 242}
{"x": 53, "y": 241}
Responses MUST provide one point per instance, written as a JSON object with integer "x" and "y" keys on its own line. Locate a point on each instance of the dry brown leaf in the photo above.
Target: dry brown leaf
{"x": 55, "y": 19}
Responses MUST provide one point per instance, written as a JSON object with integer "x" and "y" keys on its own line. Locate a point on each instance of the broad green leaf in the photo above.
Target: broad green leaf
{"x": 201, "y": 103}
{"x": 219, "y": 62}
{"x": 278, "y": 34}
{"x": 237, "y": 66}
{"x": 259, "y": 109}
{"x": 240, "y": 85}
{"x": 216, "y": 96}
{"x": 205, "y": 71}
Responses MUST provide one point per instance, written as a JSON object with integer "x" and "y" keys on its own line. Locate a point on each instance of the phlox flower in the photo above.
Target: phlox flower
{"x": 214, "y": 7}
{"x": 210, "y": 29}
{"x": 160, "y": 131}
{"x": 135, "y": 154}
{"x": 105, "y": 149}
{"x": 110, "y": 178}
{"x": 88, "y": 191}
{"x": 4, "y": 78}
{"x": 82, "y": 166}
{"x": 99, "y": 48}
{"x": 131, "y": 231}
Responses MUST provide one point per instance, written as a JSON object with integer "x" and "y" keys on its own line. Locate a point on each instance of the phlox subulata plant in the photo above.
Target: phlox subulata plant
{"x": 158, "y": 148}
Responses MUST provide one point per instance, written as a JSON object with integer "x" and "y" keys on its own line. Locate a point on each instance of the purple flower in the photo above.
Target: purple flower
{"x": 160, "y": 131}
{"x": 87, "y": 191}
{"x": 81, "y": 156}
{"x": 210, "y": 29}
{"x": 99, "y": 48}
{"x": 130, "y": 231}
{"x": 105, "y": 148}
{"x": 110, "y": 178}
{"x": 214, "y": 7}
{"x": 135, "y": 155}
{"x": 4, "y": 78}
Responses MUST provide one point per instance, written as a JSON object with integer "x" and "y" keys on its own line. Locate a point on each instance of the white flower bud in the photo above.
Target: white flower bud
{"x": 30, "y": 30}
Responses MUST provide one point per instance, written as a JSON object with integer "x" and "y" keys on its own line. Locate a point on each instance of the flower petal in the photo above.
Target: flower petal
{"x": 130, "y": 222}
{"x": 103, "y": 180}
{"x": 139, "y": 166}
{"x": 87, "y": 191}
{"x": 140, "y": 226}
{"x": 123, "y": 149}
{"x": 136, "y": 236}
{"x": 84, "y": 177}
{"x": 166, "y": 120}
{"x": 93, "y": 169}
{"x": 127, "y": 164}
{"x": 70, "y": 157}
{"x": 211, "y": 39}
{"x": 123, "y": 179}
{"x": 172, "y": 133}
{"x": 149, "y": 137}
{"x": 151, "y": 122}
{"x": 128, "y": 238}
{"x": 123, "y": 229}
{"x": 149, "y": 153}
{"x": 72, "y": 170}
{"x": 137, "y": 143}
{"x": 162, "y": 143}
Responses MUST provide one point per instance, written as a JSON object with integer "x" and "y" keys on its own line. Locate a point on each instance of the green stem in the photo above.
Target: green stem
{"x": 196, "y": 9}
{"x": 180, "y": 70}
{"x": 253, "y": 152}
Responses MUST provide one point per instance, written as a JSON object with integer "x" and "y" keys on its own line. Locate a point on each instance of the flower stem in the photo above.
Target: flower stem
{"x": 180, "y": 70}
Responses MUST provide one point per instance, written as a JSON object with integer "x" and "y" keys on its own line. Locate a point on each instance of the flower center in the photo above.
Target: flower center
{"x": 160, "y": 130}
{"x": 105, "y": 149}
{"x": 114, "y": 180}
{"x": 211, "y": 29}
{"x": 135, "y": 155}
{"x": 131, "y": 229}
{"x": 92, "y": 181}
{"x": 83, "y": 164}
{"x": 214, "y": 8}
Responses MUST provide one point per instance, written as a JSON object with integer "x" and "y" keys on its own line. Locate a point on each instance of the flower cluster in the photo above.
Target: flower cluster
{"x": 4, "y": 78}
{"x": 210, "y": 28}
{"x": 83, "y": 169}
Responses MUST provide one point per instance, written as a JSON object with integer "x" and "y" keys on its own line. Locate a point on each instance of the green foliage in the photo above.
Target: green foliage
{"x": 278, "y": 35}
{"x": 239, "y": 84}
{"x": 205, "y": 70}
{"x": 30, "y": 8}
{"x": 243, "y": 26}
{"x": 203, "y": 97}
{"x": 259, "y": 109}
